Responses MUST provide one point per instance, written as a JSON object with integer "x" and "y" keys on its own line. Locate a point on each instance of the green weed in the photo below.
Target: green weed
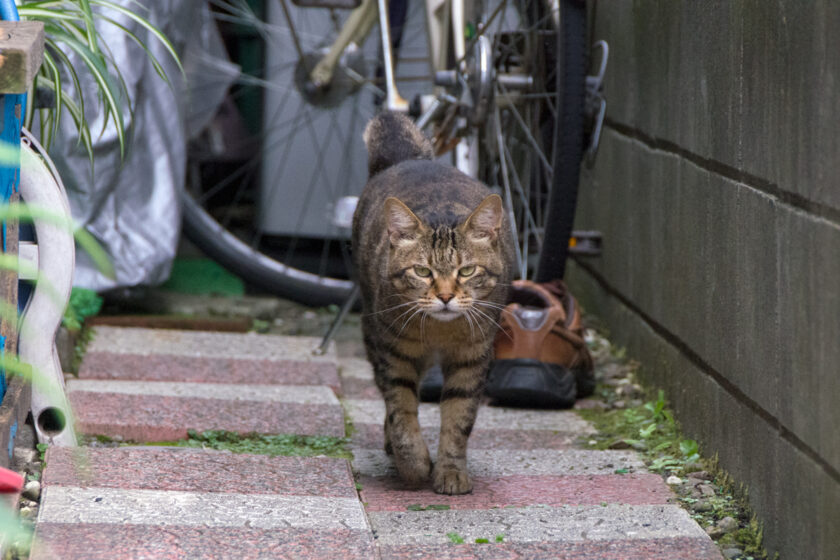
{"x": 266, "y": 444}
{"x": 431, "y": 507}
{"x": 455, "y": 538}
{"x": 83, "y": 304}
{"x": 650, "y": 428}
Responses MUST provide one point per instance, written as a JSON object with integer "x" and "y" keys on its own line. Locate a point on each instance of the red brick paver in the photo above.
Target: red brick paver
{"x": 389, "y": 494}
{"x": 534, "y": 487}
{"x": 196, "y": 470}
{"x": 107, "y": 365}
{"x": 158, "y": 418}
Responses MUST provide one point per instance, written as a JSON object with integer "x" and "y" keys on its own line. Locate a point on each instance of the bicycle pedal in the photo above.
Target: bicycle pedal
{"x": 331, "y": 4}
{"x": 596, "y": 104}
{"x": 585, "y": 243}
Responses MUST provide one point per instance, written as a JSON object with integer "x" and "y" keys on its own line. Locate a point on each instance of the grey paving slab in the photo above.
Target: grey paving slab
{"x": 67, "y": 504}
{"x": 356, "y": 368}
{"x": 506, "y": 462}
{"x": 73, "y": 541}
{"x": 230, "y": 392}
{"x": 249, "y": 346}
{"x": 362, "y": 411}
{"x": 534, "y": 523}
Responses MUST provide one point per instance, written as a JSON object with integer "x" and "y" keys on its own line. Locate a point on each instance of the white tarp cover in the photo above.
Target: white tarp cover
{"x": 132, "y": 206}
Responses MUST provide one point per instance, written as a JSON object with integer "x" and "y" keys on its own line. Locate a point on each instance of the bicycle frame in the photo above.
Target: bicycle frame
{"x": 439, "y": 15}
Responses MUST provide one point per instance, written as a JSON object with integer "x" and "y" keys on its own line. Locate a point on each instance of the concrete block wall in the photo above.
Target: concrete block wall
{"x": 717, "y": 189}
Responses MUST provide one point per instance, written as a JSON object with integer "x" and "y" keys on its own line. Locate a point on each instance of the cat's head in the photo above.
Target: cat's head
{"x": 446, "y": 269}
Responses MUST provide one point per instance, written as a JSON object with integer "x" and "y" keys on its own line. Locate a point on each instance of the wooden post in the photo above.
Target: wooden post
{"x": 21, "y": 51}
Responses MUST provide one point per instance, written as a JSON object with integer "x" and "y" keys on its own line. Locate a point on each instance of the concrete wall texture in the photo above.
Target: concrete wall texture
{"x": 717, "y": 189}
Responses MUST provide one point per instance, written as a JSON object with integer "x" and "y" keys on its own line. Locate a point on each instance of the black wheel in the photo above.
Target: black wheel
{"x": 531, "y": 142}
{"x": 267, "y": 177}
{"x": 568, "y": 139}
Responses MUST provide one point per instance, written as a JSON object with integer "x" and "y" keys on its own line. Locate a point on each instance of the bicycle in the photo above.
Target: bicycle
{"x": 503, "y": 91}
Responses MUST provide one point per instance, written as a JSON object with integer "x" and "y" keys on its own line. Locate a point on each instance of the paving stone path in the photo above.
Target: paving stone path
{"x": 536, "y": 495}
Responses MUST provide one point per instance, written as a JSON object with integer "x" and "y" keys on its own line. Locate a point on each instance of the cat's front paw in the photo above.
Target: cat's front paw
{"x": 451, "y": 480}
{"x": 411, "y": 457}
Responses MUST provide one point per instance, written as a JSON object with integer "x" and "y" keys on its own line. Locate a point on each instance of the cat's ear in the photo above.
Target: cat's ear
{"x": 403, "y": 226}
{"x": 486, "y": 220}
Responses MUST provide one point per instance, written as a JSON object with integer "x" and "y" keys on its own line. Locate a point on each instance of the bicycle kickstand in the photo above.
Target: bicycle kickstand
{"x": 339, "y": 319}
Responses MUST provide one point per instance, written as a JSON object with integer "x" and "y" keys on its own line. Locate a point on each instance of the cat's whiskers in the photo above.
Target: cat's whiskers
{"x": 403, "y": 314}
{"x": 489, "y": 318}
{"x": 470, "y": 311}
{"x": 491, "y": 304}
{"x": 411, "y": 317}
{"x": 389, "y": 309}
{"x": 469, "y": 319}
{"x": 422, "y": 331}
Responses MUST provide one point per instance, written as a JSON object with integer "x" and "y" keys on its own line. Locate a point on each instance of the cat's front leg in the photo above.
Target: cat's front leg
{"x": 463, "y": 386}
{"x": 398, "y": 384}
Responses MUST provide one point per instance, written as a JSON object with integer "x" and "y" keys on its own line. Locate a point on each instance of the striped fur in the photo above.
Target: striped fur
{"x": 433, "y": 255}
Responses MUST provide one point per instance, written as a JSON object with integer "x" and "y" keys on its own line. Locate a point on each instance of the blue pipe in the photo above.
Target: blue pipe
{"x": 8, "y": 11}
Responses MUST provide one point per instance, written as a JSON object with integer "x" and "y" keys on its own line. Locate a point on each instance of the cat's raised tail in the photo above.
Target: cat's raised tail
{"x": 391, "y": 138}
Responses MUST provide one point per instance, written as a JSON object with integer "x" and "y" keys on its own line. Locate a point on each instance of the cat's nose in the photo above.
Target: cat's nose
{"x": 445, "y": 298}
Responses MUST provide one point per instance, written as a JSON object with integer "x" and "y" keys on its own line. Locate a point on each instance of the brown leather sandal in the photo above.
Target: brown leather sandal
{"x": 541, "y": 357}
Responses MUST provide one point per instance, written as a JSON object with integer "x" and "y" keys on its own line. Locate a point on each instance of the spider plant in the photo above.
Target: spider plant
{"x": 73, "y": 45}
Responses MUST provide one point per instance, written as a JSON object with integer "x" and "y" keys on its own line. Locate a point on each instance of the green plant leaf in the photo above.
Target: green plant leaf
{"x": 71, "y": 24}
{"x": 95, "y": 64}
{"x": 688, "y": 447}
{"x": 645, "y": 433}
{"x": 86, "y": 241}
{"x": 455, "y": 538}
{"x": 83, "y": 304}
{"x": 9, "y": 154}
{"x": 77, "y": 113}
{"x": 148, "y": 26}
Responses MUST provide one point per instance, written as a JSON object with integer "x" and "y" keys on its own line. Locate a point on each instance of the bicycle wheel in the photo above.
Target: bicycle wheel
{"x": 263, "y": 190}
{"x": 531, "y": 143}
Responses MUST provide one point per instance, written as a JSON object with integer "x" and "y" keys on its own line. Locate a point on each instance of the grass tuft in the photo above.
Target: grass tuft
{"x": 292, "y": 445}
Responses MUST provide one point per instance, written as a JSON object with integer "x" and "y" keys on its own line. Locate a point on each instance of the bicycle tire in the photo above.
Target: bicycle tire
{"x": 539, "y": 131}
{"x": 259, "y": 270}
{"x": 232, "y": 244}
{"x": 318, "y": 289}
{"x": 568, "y": 139}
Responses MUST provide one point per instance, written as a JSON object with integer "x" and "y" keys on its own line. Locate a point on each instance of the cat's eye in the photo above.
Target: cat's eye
{"x": 422, "y": 271}
{"x": 466, "y": 271}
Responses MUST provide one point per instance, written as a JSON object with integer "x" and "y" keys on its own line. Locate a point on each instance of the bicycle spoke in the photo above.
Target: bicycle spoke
{"x": 525, "y": 129}
{"x": 508, "y": 197}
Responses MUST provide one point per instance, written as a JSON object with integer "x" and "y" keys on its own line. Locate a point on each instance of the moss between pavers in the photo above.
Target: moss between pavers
{"x": 266, "y": 444}
{"x": 647, "y": 425}
{"x": 289, "y": 445}
{"x": 202, "y": 276}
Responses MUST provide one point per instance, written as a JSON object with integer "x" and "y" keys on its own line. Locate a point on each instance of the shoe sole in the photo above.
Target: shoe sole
{"x": 431, "y": 386}
{"x": 529, "y": 383}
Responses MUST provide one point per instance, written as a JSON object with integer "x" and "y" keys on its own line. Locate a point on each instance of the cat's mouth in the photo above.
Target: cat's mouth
{"x": 445, "y": 314}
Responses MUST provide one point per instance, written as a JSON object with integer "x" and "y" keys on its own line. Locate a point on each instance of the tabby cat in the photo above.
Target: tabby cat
{"x": 433, "y": 252}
